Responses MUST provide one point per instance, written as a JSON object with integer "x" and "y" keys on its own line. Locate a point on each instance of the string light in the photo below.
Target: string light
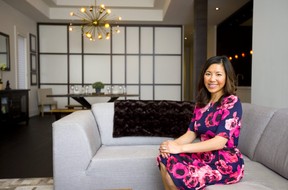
{"x": 236, "y": 56}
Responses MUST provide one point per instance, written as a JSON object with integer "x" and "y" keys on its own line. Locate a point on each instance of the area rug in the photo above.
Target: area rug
{"x": 27, "y": 184}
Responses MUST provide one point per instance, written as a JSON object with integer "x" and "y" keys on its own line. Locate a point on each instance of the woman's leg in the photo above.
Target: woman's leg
{"x": 167, "y": 181}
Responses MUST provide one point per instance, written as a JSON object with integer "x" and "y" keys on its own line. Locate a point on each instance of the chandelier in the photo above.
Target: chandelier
{"x": 96, "y": 22}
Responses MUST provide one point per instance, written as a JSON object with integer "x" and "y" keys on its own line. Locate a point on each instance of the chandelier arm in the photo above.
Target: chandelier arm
{"x": 97, "y": 12}
{"x": 78, "y": 16}
{"x": 98, "y": 31}
{"x": 103, "y": 18}
{"x": 93, "y": 33}
{"x": 94, "y": 9}
{"x": 102, "y": 30}
{"x": 113, "y": 19}
{"x": 89, "y": 16}
{"x": 93, "y": 16}
{"x": 88, "y": 30}
{"x": 82, "y": 17}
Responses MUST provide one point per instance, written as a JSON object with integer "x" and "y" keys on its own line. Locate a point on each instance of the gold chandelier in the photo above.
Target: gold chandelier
{"x": 97, "y": 22}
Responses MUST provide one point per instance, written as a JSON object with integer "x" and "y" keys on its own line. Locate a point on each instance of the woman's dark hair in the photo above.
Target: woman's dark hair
{"x": 204, "y": 95}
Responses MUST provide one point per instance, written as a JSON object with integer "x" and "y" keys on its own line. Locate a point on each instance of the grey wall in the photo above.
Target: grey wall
{"x": 14, "y": 23}
{"x": 270, "y": 50}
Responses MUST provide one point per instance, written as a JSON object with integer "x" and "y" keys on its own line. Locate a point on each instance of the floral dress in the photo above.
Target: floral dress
{"x": 224, "y": 166}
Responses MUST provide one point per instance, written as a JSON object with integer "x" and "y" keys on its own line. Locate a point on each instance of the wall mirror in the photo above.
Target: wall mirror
{"x": 5, "y": 50}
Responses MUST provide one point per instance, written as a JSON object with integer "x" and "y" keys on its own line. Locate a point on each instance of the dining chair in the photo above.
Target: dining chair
{"x": 43, "y": 100}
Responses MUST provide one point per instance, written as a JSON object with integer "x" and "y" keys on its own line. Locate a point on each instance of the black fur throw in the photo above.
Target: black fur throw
{"x": 161, "y": 118}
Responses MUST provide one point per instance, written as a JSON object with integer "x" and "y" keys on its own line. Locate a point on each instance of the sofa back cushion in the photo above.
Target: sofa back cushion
{"x": 254, "y": 120}
{"x": 272, "y": 148}
{"x": 104, "y": 114}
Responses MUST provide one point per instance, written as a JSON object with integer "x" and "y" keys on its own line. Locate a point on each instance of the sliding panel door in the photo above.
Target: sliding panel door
{"x": 168, "y": 63}
{"x": 147, "y": 60}
{"x": 53, "y": 59}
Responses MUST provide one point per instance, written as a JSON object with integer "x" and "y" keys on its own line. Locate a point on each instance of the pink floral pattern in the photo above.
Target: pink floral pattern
{"x": 191, "y": 171}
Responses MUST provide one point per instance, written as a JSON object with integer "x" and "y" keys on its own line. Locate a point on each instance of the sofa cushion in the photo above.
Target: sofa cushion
{"x": 164, "y": 118}
{"x": 137, "y": 164}
{"x": 254, "y": 120}
{"x": 104, "y": 114}
{"x": 256, "y": 177}
{"x": 272, "y": 148}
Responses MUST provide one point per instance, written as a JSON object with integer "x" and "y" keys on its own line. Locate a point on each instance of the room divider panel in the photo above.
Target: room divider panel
{"x": 148, "y": 60}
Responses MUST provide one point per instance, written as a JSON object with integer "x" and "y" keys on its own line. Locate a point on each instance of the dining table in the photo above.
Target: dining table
{"x": 81, "y": 97}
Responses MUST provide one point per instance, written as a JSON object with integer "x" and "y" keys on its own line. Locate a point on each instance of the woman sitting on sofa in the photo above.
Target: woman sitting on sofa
{"x": 217, "y": 121}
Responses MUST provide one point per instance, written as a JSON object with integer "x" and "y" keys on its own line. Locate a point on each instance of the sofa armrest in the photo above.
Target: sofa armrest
{"x": 76, "y": 139}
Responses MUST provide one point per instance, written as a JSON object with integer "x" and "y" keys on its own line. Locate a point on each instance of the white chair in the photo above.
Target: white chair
{"x": 43, "y": 100}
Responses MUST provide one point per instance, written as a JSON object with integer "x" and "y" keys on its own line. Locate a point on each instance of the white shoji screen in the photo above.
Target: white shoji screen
{"x": 146, "y": 59}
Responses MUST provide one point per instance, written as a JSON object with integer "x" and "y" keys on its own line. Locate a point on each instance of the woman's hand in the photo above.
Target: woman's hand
{"x": 163, "y": 149}
{"x": 176, "y": 146}
{"x": 169, "y": 147}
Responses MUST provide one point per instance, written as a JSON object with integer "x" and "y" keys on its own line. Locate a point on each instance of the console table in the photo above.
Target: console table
{"x": 14, "y": 105}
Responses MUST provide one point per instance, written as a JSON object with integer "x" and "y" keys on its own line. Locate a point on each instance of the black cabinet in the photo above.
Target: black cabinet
{"x": 14, "y": 106}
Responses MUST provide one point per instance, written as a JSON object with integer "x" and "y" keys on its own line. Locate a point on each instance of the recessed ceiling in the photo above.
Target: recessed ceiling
{"x": 174, "y": 12}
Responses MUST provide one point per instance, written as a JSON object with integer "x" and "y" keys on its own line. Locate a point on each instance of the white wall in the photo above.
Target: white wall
{"x": 13, "y": 23}
{"x": 269, "y": 60}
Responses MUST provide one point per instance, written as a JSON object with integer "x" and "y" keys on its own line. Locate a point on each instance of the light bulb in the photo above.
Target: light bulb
{"x": 107, "y": 36}
{"x": 89, "y": 35}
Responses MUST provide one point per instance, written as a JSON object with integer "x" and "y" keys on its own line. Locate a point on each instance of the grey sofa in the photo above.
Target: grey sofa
{"x": 87, "y": 156}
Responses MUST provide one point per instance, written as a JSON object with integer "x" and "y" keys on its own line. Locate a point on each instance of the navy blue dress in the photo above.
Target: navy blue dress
{"x": 225, "y": 166}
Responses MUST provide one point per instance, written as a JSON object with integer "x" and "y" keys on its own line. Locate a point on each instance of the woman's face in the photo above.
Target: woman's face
{"x": 214, "y": 80}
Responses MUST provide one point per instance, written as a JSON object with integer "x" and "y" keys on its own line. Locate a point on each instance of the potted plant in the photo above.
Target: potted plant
{"x": 98, "y": 86}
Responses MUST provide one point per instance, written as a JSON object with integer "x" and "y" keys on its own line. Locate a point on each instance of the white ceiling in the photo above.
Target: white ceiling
{"x": 176, "y": 12}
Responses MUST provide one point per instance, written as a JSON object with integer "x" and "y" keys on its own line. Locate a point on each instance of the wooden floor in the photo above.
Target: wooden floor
{"x": 26, "y": 149}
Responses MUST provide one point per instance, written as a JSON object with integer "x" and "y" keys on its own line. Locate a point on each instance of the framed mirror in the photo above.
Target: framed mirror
{"x": 5, "y": 50}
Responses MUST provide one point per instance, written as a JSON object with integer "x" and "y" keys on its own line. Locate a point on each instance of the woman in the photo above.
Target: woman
{"x": 217, "y": 122}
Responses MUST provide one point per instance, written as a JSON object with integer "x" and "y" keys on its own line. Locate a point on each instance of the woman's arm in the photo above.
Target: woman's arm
{"x": 172, "y": 147}
{"x": 215, "y": 143}
{"x": 186, "y": 138}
